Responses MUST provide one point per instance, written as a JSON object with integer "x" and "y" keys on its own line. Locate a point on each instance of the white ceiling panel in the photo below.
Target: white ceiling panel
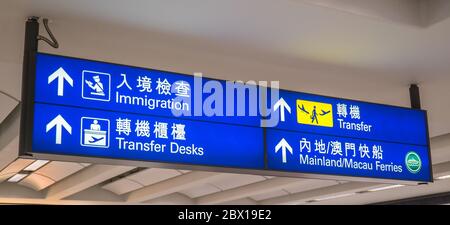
{"x": 201, "y": 190}
{"x": 272, "y": 194}
{"x": 243, "y": 201}
{"x": 57, "y": 170}
{"x": 85, "y": 164}
{"x": 171, "y": 199}
{"x": 153, "y": 175}
{"x": 122, "y": 186}
{"x": 141, "y": 179}
{"x": 14, "y": 167}
{"x": 36, "y": 181}
{"x": 310, "y": 185}
{"x": 235, "y": 180}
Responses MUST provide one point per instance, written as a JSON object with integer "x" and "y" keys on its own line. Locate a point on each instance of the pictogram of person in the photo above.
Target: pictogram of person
{"x": 314, "y": 116}
{"x": 95, "y": 126}
{"x": 97, "y": 86}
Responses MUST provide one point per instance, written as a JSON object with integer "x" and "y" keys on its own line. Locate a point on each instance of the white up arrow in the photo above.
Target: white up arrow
{"x": 283, "y": 145}
{"x": 282, "y": 105}
{"x": 61, "y": 75}
{"x": 59, "y": 122}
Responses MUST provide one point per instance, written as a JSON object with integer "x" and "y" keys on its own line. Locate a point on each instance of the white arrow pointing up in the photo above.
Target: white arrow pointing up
{"x": 283, "y": 145}
{"x": 58, "y": 122}
{"x": 61, "y": 75}
{"x": 282, "y": 105}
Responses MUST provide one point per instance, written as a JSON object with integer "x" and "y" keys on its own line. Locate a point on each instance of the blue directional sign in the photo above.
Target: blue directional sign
{"x": 95, "y": 133}
{"x": 102, "y": 110}
{"x": 99, "y": 85}
{"x": 325, "y": 135}
{"x": 322, "y": 154}
{"x": 348, "y": 118}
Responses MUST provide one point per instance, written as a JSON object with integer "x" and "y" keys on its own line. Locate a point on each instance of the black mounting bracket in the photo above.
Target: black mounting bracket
{"x": 28, "y": 78}
{"x": 30, "y": 50}
{"x": 414, "y": 94}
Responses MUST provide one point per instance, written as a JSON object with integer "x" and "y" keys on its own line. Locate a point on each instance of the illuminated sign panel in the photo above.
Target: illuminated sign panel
{"x": 98, "y": 110}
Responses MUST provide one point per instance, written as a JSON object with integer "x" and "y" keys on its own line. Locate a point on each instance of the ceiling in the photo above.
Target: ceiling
{"x": 290, "y": 28}
{"x": 353, "y": 49}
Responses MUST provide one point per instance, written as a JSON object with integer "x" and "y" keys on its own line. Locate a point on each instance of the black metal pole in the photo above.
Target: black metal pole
{"x": 28, "y": 78}
{"x": 414, "y": 94}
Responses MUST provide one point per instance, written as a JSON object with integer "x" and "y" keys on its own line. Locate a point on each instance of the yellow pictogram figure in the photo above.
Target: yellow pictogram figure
{"x": 314, "y": 113}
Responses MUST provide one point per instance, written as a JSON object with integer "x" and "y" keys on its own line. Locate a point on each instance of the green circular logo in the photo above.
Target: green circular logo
{"x": 413, "y": 162}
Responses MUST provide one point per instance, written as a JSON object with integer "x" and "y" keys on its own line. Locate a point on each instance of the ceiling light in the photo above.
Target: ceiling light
{"x": 443, "y": 177}
{"x": 36, "y": 165}
{"x": 334, "y": 197}
{"x": 18, "y": 177}
{"x": 386, "y": 187}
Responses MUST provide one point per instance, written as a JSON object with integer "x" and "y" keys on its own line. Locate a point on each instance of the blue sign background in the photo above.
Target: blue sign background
{"x": 46, "y": 93}
{"x": 235, "y": 141}
{"x": 389, "y": 123}
{"x": 223, "y": 145}
{"x": 392, "y": 153}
